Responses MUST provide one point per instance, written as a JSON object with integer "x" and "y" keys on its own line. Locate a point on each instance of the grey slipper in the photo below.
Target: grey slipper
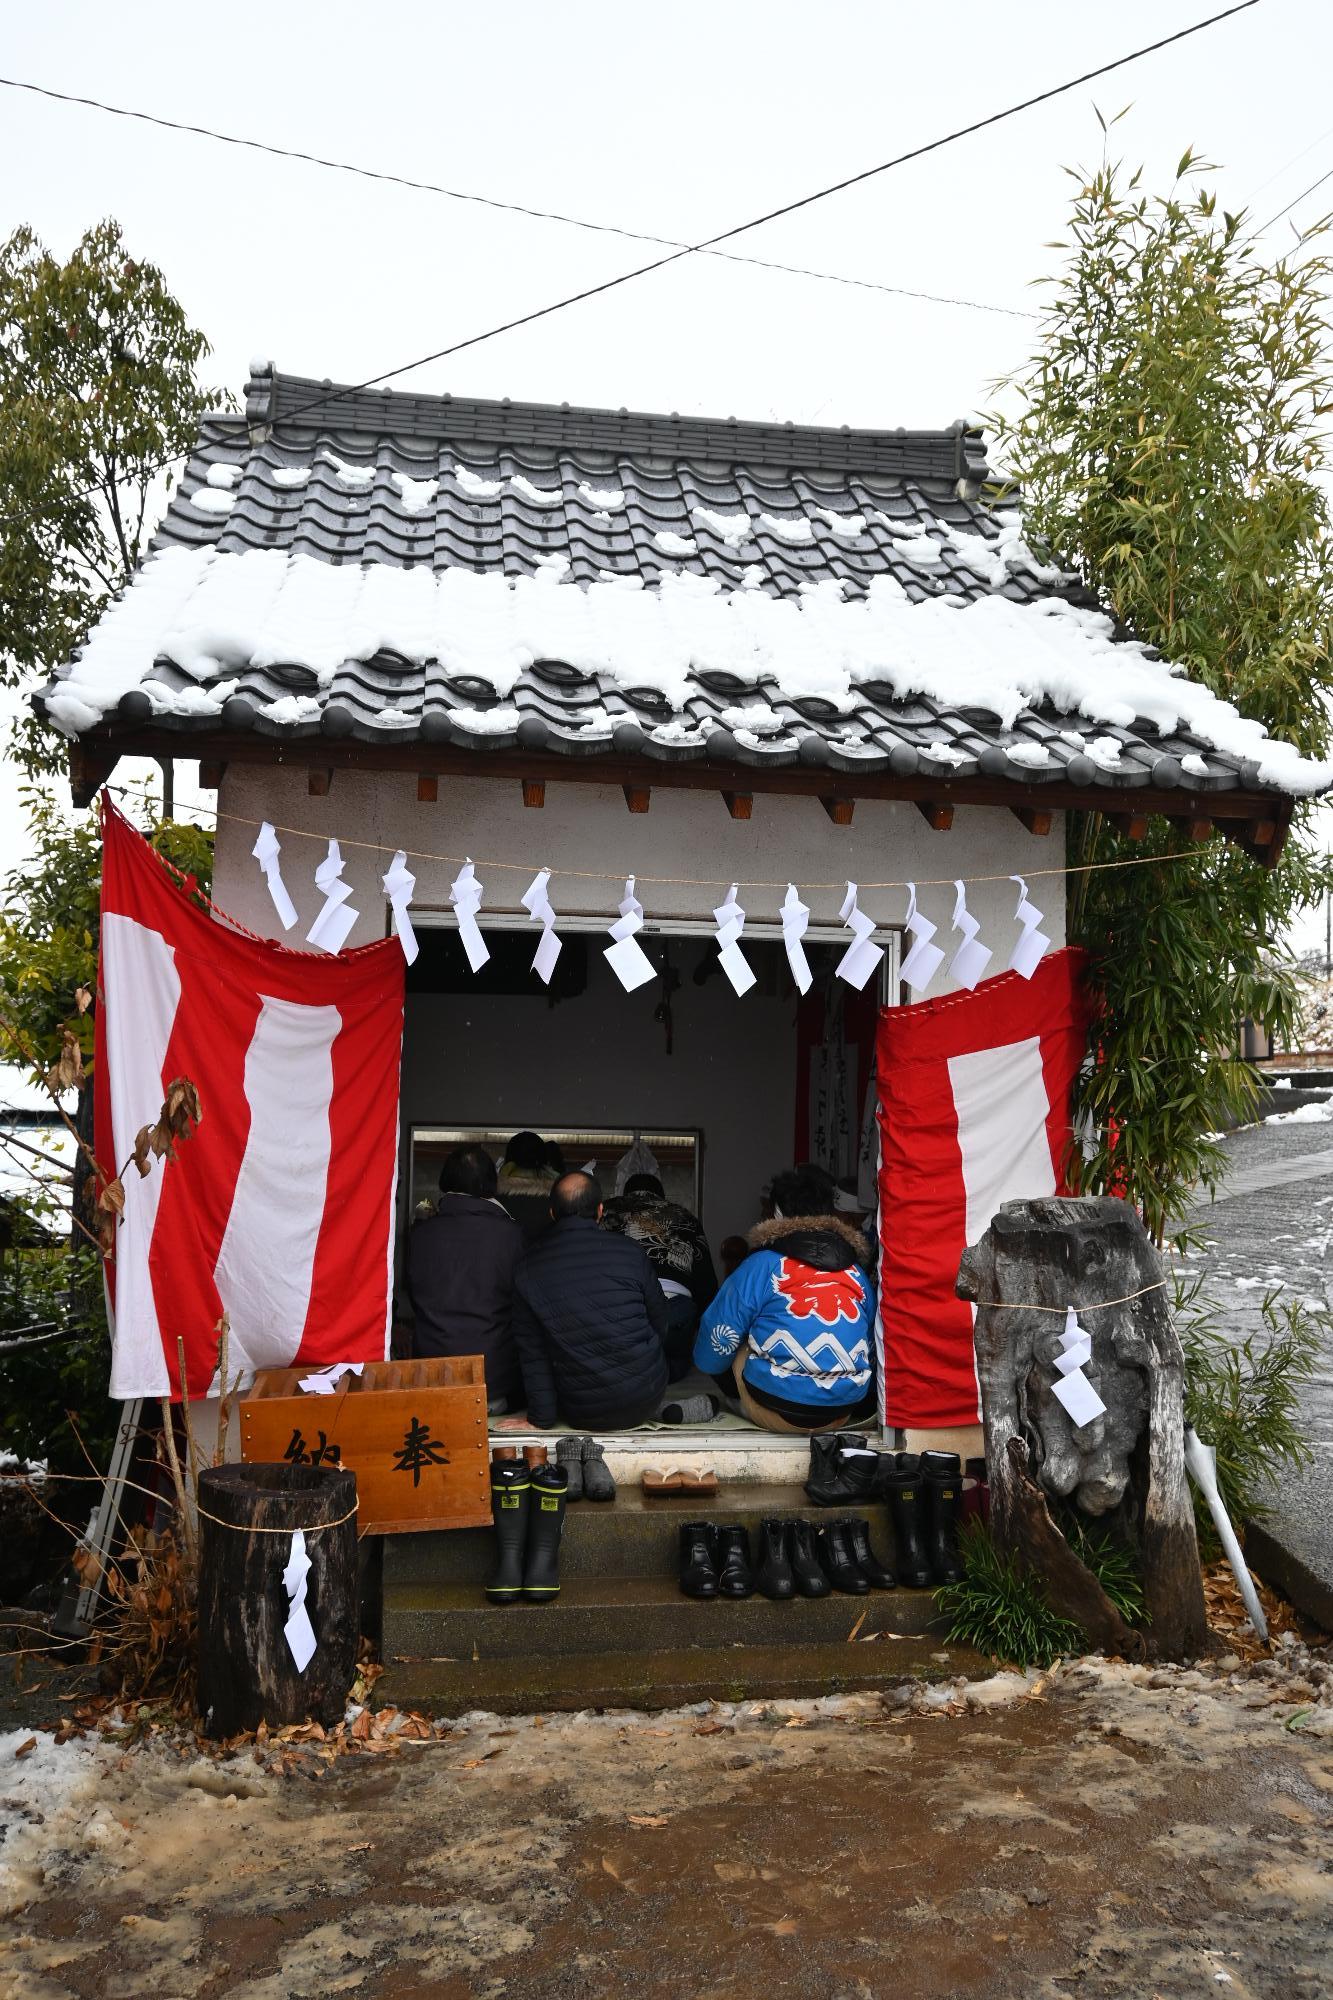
{"x": 569, "y": 1458}
{"x": 597, "y": 1481}
{"x": 690, "y": 1410}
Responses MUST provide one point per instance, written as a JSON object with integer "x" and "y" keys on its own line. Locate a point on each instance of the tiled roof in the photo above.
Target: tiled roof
{"x": 529, "y": 492}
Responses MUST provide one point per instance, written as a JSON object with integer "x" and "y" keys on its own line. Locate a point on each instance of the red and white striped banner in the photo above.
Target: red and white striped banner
{"x": 280, "y": 1209}
{"x": 974, "y": 1092}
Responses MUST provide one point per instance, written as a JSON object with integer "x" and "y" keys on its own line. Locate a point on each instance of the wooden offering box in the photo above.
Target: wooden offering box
{"x": 413, "y": 1432}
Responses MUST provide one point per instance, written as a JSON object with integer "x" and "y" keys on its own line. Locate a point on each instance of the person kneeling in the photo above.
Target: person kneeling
{"x": 589, "y": 1320}
{"x": 792, "y": 1324}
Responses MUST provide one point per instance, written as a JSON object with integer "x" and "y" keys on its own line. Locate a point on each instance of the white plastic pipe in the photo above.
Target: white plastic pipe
{"x": 1201, "y": 1462}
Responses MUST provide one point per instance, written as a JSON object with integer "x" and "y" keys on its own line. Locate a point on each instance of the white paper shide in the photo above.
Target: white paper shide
{"x": 332, "y": 927}
{"x": 298, "y": 1631}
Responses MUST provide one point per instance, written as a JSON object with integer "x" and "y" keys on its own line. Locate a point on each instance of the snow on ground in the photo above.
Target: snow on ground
{"x": 212, "y": 613}
{"x": 44, "y": 1801}
{"x": 1304, "y": 1114}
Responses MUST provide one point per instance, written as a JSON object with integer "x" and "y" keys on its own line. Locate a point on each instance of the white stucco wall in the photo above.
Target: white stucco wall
{"x": 587, "y": 827}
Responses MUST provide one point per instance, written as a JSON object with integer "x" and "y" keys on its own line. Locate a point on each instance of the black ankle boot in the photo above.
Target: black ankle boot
{"x": 907, "y": 1511}
{"x": 840, "y": 1565}
{"x": 731, "y": 1556}
{"x": 807, "y": 1573}
{"x": 546, "y": 1521}
{"x": 842, "y": 1467}
{"x": 941, "y": 1485}
{"x": 698, "y": 1577}
{"x": 510, "y": 1500}
{"x": 876, "y": 1573}
{"x": 773, "y": 1575}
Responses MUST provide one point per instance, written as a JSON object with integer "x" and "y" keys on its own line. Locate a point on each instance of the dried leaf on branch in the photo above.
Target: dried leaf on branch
{"x": 66, "y": 1073}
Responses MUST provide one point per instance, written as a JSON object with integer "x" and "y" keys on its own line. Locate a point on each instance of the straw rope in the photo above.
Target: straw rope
{"x": 1096, "y": 1305}
{"x": 238, "y": 1528}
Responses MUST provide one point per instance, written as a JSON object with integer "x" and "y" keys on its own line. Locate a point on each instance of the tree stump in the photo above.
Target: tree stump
{"x": 1128, "y": 1464}
{"x": 247, "y": 1674}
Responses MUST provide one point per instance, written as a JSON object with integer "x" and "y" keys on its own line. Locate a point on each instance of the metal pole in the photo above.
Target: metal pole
{"x": 168, "y": 787}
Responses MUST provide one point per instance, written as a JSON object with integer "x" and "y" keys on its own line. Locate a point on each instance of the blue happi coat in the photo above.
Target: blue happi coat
{"x": 802, "y": 1308}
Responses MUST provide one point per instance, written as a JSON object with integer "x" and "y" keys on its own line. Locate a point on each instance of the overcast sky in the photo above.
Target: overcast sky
{"x": 677, "y": 122}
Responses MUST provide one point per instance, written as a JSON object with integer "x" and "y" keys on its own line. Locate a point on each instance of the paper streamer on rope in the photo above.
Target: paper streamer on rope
{"x": 862, "y": 954}
{"x": 266, "y": 851}
{"x": 465, "y": 895}
{"x": 333, "y": 925}
{"x": 1073, "y": 1390}
{"x": 399, "y": 885}
{"x": 298, "y": 1631}
{"x": 795, "y": 918}
{"x": 969, "y": 962}
{"x": 923, "y": 959}
{"x": 730, "y": 920}
{"x": 537, "y": 903}
{"x": 627, "y": 957}
{"x": 1033, "y": 946}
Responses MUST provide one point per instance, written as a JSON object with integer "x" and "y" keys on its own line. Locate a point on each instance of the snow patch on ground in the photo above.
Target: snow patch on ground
{"x": 40, "y": 1798}
{"x": 1304, "y": 1114}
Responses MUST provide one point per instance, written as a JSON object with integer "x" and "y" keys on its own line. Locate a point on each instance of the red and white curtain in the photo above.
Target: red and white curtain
{"x": 280, "y": 1208}
{"x": 974, "y": 1094}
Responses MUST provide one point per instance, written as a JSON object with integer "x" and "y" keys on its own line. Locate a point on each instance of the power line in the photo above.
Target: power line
{"x": 740, "y": 228}
{"x": 491, "y": 201}
{"x": 1294, "y": 202}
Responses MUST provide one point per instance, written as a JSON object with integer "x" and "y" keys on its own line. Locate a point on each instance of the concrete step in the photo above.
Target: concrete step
{"x": 629, "y": 1536}
{"x": 543, "y": 1683}
{"x": 632, "y": 1614}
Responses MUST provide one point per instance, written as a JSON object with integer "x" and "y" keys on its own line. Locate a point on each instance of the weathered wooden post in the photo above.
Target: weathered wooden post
{"x": 1037, "y": 1259}
{"x": 247, "y": 1673}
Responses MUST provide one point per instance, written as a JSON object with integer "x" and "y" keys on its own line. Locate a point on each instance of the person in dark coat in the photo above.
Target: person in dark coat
{"x": 460, "y": 1274}
{"x": 589, "y": 1319}
{"x": 526, "y": 1180}
{"x": 675, "y": 1245}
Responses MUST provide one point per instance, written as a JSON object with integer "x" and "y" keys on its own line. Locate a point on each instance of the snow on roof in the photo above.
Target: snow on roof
{"x": 210, "y": 613}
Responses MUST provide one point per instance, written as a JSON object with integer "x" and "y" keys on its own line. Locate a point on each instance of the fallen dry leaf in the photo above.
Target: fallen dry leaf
{"x": 22, "y": 1749}
{"x": 856, "y": 1628}
{"x": 648, "y": 1819}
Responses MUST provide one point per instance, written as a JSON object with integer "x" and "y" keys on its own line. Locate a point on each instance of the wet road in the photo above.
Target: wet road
{"x": 1271, "y": 1229}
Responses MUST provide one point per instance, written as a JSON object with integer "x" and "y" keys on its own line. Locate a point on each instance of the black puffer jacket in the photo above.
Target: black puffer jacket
{"x": 460, "y": 1275}
{"x": 589, "y": 1322}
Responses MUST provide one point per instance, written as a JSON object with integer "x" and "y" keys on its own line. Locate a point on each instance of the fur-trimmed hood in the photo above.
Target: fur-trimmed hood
{"x": 825, "y": 1242}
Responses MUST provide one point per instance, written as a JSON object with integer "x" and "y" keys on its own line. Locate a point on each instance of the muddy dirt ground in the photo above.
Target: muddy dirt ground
{"x": 1112, "y": 1831}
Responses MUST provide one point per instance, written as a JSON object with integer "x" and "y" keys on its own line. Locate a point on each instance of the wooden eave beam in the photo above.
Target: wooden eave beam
{"x": 739, "y": 804}
{"x": 534, "y": 793}
{"x": 1037, "y": 819}
{"x": 212, "y": 770}
{"x": 1132, "y": 825}
{"x": 935, "y": 814}
{"x": 638, "y": 797}
{"x": 839, "y": 810}
{"x": 428, "y": 788}
{"x": 96, "y": 755}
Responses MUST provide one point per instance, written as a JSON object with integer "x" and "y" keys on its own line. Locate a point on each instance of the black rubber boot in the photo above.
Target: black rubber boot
{"x": 511, "y": 1490}
{"x": 941, "y": 1484}
{"x": 840, "y": 1565}
{"x": 907, "y": 1510}
{"x": 698, "y": 1576}
{"x": 807, "y": 1571}
{"x": 772, "y": 1576}
{"x": 834, "y": 1477}
{"x": 877, "y": 1574}
{"x": 569, "y": 1457}
{"x": 597, "y": 1481}
{"x": 731, "y": 1555}
{"x": 546, "y": 1522}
